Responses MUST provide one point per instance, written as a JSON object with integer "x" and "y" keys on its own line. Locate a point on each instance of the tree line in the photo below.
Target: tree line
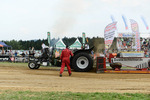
{"x": 24, "y": 45}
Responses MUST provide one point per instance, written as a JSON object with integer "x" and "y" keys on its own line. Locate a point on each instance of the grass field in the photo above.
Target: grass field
{"x": 11, "y": 64}
{"x": 28, "y": 95}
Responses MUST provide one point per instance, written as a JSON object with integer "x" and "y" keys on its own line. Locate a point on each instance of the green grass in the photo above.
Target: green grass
{"x": 12, "y": 64}
{"x": 28, "y": 95}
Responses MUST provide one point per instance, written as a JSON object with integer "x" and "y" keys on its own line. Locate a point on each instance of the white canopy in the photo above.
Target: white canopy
{"x": 76, "y": 45}
{"x": 60, "y": 44}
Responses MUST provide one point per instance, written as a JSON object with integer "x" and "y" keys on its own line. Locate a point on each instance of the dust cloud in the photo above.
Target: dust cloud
{"x": 69, "y": 10}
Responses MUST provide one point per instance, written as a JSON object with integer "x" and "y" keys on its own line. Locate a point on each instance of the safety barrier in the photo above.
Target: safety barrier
{"x": 14, "y": 59}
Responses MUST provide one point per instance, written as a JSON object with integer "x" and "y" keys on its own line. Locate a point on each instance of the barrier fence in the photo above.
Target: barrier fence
{"x": 14, "y": 59}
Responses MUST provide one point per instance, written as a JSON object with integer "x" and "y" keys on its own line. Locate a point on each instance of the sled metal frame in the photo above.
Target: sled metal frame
{"x": 101, "y": 68}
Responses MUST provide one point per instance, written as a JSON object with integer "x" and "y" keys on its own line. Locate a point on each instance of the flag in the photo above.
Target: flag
{"x": 109, "y": 33}
{"x": 112, "y": 18}
{"x": 143, "y": 19}
{"x": 135, "y": 31}
{"x": 125, "y": 22}
{"x": 49, "y": 38}
{"x": 134, "y": 26}
{"x": 83, "y": 38}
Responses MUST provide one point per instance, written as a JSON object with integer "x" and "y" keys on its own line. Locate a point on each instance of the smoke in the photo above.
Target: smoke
{"x": 69, "y": 10}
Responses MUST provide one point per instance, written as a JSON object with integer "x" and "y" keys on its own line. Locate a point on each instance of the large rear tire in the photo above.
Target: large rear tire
{"x": 82, "y": 62}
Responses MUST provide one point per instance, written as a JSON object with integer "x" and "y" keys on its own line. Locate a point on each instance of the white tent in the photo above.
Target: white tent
{"x": 60, "y": 44}
{"x": 76, "y": 45}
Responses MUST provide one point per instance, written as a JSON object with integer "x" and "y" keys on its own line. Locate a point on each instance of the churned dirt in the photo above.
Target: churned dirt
{"x": 47, "y": 79}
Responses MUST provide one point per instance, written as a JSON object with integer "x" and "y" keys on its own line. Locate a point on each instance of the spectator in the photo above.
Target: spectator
{"x": 10, "y": 53}
{"x": 44, "y": 46}
{"x": 145, "y": 44}
{"x": 16, "y": 53}
{"x": 31, "y": 51}
{"x": 3, "y": 52}
{"x": 23, "y": 54}
{"x": 26, "y": 54}
{"x": 6, "y": 52}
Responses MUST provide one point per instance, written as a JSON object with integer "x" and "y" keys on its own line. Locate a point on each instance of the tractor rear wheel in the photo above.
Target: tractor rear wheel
{"x": 82, "y": 62}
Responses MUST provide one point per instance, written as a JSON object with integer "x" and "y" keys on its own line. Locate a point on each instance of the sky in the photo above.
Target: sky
{"x": 32, "y": 19}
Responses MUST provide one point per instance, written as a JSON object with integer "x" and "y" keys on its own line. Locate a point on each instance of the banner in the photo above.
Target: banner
{"x": 4, "y": 58}
{"x": 132, "y": 54}
{"x": 125, "y": 35}
{"x": 19, "y": 59}
{"x": 143, "y": 19}
{"x": 83, "y": 38}
{"x": 49, "y": 38}
{"x": 135, "y": 31}
{"x": 109, "y": 33}
{"x": 13, "y": 59}
{"x": 125, "y": 22}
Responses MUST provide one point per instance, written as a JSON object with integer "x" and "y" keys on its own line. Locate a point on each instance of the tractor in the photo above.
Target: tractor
{"x": 82, "y": 60}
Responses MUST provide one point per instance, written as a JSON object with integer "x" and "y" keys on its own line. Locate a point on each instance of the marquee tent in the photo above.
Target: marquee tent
{"x": 76, "y": 45}
{"x": 60, "y": 44}
{"x": 2, "y": 44}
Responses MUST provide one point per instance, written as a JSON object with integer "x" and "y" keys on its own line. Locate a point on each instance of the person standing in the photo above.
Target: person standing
{"x": 16, "y": 53}
{"x": 65, "y": 58}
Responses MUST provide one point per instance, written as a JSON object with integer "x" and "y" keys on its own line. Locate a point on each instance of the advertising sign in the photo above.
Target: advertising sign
{"x": 132, "y": 54}
{"x": 4, "y": 58}
{"x": 83, "y": 38}
{"x": 20, "y": 59}
{"x": 109, "y": 33}
{"x": 135, "y": 30}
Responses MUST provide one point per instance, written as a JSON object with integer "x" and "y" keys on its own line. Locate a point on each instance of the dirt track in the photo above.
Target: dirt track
{"x": 47, "y": 79}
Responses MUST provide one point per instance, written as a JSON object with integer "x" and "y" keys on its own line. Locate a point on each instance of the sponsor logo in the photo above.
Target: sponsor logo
{"x": 128, "y": 59}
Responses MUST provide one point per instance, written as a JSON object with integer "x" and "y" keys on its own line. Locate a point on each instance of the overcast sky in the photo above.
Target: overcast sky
{"x": 32, "y": 19}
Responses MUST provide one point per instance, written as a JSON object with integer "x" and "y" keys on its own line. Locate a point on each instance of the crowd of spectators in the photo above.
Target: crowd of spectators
{"x": 16, "y": 53}
{"x": 128, "y": 44}
{"x": 125, "y": 43}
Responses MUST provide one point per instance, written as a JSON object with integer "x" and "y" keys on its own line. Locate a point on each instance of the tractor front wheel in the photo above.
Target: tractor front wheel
{"x": 32, "y": 65}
